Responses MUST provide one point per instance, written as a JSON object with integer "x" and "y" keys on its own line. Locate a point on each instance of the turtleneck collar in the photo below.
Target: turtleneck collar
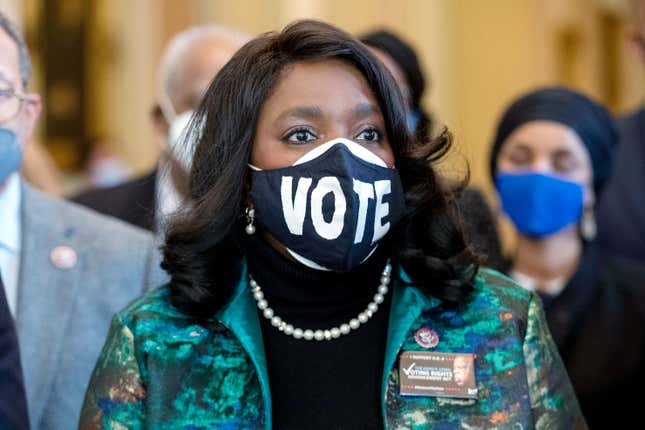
{"x": 309, "y": 297}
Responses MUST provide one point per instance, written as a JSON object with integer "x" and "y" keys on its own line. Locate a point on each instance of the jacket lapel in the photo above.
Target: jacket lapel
{"x": 407, "y": 304}
{"x": 47, "y": 288}
{"x": 241, "y": 317}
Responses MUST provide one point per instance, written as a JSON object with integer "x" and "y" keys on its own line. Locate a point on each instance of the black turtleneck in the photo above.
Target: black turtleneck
{"x": 332, "y": 384}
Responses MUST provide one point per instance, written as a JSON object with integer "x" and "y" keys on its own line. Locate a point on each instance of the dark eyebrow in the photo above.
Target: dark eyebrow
{"x": 521, "y": 145}
{"x": 302, "y": 112}
{"x": 563, "y": 152}
{"x": 364, "y": 110}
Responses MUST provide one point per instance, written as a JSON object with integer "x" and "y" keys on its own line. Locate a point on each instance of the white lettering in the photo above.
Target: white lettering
{"x": 365, "y": 192}
{"x": 382, "y": 209}
{"x": 328, "y": 230}
{"x": 294, "y": 211}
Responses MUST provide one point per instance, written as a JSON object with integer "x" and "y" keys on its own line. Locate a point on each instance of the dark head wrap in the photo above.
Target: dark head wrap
{"x": 406, "y": 58}
{"x": 591, "y": 122}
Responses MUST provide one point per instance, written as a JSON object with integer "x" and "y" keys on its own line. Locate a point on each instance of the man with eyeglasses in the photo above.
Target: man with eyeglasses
{"x": 66, "y": 269}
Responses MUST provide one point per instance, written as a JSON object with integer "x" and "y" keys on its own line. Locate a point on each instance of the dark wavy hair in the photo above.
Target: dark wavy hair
{"x": 202, "y": 251}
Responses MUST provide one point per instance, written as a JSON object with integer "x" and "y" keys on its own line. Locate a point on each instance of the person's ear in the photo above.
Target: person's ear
{"x": 636, "y": 44}
{"x": 588, "y": 226}
{"x": 32, "y": 109}
{"x": 589, "y": 197}
{"x": 159, "y": 121}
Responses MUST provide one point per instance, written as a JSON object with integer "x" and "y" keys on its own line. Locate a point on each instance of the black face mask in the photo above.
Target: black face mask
{"x": 331, "y": 207}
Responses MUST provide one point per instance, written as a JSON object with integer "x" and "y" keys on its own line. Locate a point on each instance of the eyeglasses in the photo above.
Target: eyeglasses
{"x": 11, "y": 102}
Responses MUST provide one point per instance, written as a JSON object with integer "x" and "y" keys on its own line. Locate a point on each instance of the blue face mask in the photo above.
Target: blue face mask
{"x": 330, "y": 208}
{"x": 10, "y": 154}
{"x": 540, "y": 205}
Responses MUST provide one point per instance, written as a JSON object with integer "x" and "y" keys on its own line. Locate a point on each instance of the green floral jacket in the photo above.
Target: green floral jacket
{"x": 159, "y": 370}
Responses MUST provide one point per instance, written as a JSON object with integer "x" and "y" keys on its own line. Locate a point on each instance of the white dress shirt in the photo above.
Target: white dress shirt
{"x": 10, "y": 229}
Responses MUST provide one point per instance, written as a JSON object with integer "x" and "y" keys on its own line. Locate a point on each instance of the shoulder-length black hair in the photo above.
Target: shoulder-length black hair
{"x": 201, "y": 252}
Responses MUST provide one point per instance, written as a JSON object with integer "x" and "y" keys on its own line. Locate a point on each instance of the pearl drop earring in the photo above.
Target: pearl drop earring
{"x": 250, "y": 218}
{"x": 588, "y": 225}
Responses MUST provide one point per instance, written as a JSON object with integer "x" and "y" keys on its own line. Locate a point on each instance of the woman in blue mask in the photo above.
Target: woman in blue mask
{"x": 550, "y": 160}
{"x": 318, "y": 278}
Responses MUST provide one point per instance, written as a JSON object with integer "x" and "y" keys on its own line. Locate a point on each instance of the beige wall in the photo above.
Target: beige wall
{"x": 124, "y": 50}
{"x": 11, "y": 8}
{"x": 479, "y": 55}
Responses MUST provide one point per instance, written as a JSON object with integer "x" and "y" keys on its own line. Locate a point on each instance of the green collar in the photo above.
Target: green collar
{"x": 240, "y": 316}
{"x": 407, "y": 304}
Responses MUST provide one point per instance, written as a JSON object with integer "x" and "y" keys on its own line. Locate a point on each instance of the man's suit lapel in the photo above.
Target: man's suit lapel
{"x": 47, "y": 289}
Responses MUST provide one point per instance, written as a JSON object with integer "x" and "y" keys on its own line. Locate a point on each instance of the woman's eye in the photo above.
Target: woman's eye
{"x": 369, "y": 135}
{"x": 520, "y": 158}
{"x": 5, "y": 94}
{"x": 564, "y": 164}
{"x": 300, "y": 136}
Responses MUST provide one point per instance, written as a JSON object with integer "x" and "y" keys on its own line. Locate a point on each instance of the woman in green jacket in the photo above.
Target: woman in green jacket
{"x": 318, "y": 277}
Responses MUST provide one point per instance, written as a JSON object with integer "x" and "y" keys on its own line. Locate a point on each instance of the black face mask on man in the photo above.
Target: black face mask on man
{"x": 330, "y": 208}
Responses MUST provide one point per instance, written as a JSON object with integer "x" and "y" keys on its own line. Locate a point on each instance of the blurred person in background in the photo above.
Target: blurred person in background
{"x": 550, "y": 161}
{"x": 316, "y": 249}
{"x": 190, "y": 61}
{"x": 13, "y": 404}
{"x": 65, "y": 269}
{"x": 621, "y": 211}
{"x": 401, "y": 60}
{"x": 104, "y": 166}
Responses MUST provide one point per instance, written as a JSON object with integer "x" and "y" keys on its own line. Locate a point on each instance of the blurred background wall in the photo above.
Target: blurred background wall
{"x": 96, "y": 60}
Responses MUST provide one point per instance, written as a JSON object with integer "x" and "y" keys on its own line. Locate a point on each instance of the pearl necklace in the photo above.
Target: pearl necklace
{"x": 329, "y": 334}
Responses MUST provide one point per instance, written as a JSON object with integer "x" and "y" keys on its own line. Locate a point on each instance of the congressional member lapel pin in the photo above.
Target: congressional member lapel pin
{"x": 63, "y": 257}
{"x": 426, "y": 337}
